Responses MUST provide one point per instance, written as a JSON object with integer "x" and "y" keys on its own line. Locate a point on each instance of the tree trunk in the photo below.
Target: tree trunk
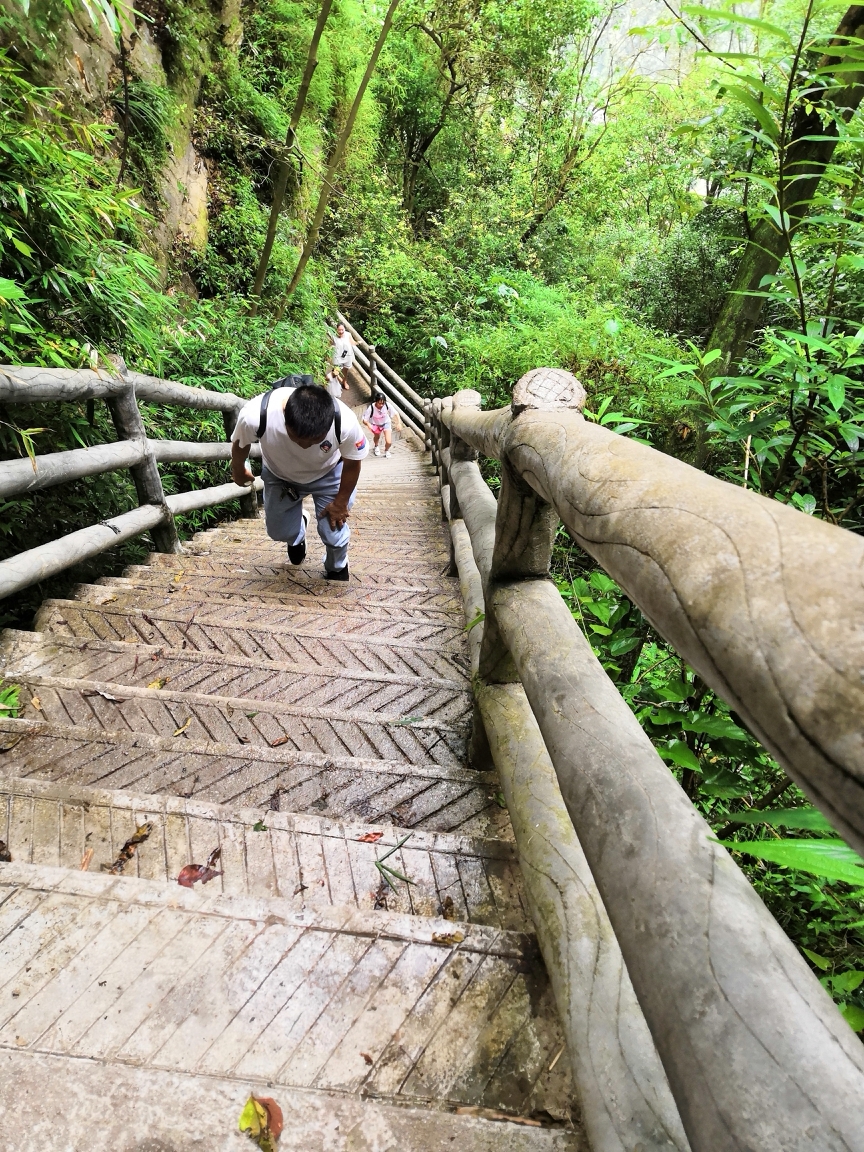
{"x": 336, "y": 160}
{"x": 806, "y": 160}
{"x": 282, "y": 165}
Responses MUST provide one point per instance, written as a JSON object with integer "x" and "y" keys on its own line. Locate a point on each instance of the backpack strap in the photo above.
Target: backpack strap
{"x": 295, "y": 382}
{"x": 262, "y": 419}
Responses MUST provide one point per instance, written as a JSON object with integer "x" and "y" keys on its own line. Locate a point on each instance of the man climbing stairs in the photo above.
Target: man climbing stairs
{"x": 363, "y": 955}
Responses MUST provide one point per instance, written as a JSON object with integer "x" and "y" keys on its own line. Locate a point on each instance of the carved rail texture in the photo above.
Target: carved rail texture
{"x": 687, "y": 1008}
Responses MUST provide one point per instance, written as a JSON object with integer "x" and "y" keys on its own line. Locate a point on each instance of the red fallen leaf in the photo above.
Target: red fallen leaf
{"x": 192, "y": 873}
{"x": 370, "y": 838}
{"x": 275, "y": 1120}
{"x": 367, "y": 1057}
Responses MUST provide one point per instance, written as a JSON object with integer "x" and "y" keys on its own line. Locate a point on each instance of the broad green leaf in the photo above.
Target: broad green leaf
{"x": 666, "y": 716}
{"x": 846, "y": 981}
{"x": 831, "y": 859}
{"x": 681, "y": 755}
{"x": 809, "y": 818}
{"x": 854, "y": 1016}
{"x": 717, "y": 726}
{"x": 759, "y": 112}
{"x": 837, "y": 391}
{"x": 627, "y": 644}
{"x": 9, "y": 290}
{"x": 819, "y": 961}
{"x": 724, "y": 783}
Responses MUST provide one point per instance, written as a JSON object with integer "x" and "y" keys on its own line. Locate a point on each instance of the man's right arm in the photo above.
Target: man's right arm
{"x": 240, "y": 474}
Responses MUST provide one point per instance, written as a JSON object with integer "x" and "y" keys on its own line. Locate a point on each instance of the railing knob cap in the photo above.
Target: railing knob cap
{"x": 547, "y": 390}
{"x": 467, "y": 398}
{"x": 118, "y": 363}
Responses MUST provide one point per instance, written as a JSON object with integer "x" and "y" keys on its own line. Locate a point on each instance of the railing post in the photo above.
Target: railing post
{"x": 525, "y": 525}
{"x": 373, "y": 367}
{"x": 129, "y": 425}
{"x": 248, "y": 504}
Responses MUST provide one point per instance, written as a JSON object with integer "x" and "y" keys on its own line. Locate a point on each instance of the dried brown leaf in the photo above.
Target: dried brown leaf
{"x": 450, "y": 938}
{"x": 192, "y": 873}
{"x": 128, "y": 850}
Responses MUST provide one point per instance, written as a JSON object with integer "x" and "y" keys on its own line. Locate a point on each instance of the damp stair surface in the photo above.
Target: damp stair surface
{"x": 316, "y": 733}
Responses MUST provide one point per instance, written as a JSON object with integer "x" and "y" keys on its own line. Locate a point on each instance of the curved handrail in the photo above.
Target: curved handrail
{"x": 765, "y": 602}
{"x": 122, "y": 390}
{"x": 755, "y": 1051}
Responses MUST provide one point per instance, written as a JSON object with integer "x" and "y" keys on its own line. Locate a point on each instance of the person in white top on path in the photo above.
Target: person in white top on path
{"x": 311, "y": 445}
{"x": 343, "y": 354}
{"x": 377, "y": 420}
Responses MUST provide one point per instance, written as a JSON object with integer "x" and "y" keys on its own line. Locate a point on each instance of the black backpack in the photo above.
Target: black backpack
{"x": 295, "y": 382}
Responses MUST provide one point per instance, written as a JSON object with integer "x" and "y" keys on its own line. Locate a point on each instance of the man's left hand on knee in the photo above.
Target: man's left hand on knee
{"x": 337, "y": 513}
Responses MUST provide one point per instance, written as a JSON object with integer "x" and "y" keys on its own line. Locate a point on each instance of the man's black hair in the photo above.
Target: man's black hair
{"x": 309, "y": 412}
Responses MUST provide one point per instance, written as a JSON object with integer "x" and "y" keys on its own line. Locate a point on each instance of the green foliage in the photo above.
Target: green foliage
{"x": 68, "y": 237}
{"x": 9, "y": 694}
{"x": 152, "y": 112}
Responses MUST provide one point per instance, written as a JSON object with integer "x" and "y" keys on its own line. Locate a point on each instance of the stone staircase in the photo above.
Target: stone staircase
{"x": 221, "y": 699}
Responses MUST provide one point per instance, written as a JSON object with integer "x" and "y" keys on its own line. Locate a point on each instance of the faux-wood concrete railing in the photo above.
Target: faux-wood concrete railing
{"x": 766, "y": 604}
{"x": 121, "y": 390}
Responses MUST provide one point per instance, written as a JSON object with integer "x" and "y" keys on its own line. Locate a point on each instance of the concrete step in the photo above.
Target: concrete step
{"x": 314, "y": 614}
{"x": 306, "y": 860}
{"x": 276, "y": 576}
{"x": 59, "y": 1094}
{"x": 155, "y": 986}
{"x": 373, "y": 574}
{"x": 326, "y": 595}
{"x": 422, "y": 557}
{"x": 257, "y": 723}
{"x": 314, "y": 686}
{"x": 401, "y": 647}
{"x": 339, "y": 787}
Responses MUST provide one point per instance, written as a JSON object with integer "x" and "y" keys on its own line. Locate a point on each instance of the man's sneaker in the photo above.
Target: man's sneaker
{"x": 387, "y": 454}
{"x": 297, "y": 552}
{"x": 377, "y": 451}
{"x": 337, "y": 574}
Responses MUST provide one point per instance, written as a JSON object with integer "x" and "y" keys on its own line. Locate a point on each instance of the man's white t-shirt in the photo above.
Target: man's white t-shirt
{"x": 343, "y": 351}
{"x": 288, "y": 460}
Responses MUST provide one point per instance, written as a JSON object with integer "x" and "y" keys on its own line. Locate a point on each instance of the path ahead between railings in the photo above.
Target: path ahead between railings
{"x": 306, "y": 728}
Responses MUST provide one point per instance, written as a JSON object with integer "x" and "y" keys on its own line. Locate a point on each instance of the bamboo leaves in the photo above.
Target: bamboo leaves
{"x": 387, "y": 873}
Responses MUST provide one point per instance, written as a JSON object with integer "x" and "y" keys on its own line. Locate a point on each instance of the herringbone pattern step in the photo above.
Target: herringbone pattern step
{"x": 428, "y": 549}
{"x": 168, "y": 713}
{"x": 401, "y": 1008}
{"x": 385, "y": 593}
{"x": 309, "y": 861}
{"x": 313, "y": 686}
{"x": 362, "y": 606}
{"x": 259, "y": 634}
{"x": 341, "y": 787}
{"x": 413, "y": 576}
